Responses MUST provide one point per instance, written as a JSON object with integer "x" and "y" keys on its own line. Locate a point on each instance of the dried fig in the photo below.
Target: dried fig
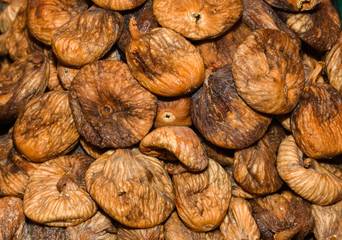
{"x": 92, "y": 150}
{"x": 197, "y": 19}
{"x": 282, "y": 216}
{"x": 165, "y": 63}
{"x": 21, "y": 82}
{"x": 202, "y": 198}
{"x": 119, "y": 5}
{"x": 132, "y": 188}
{"x": 86, "y": 37}
{"x": 294, "y": 5}
{"x": 221, "y": 155}
{"x": 222, "y": 117}
{"x": 12, "y": 218}
{"x": 333, "y": 62}
{"x": 307, "y": 178}
{"x": 311, "y": 63}
{"x": 36, "y": 231}
{"x": 56, "y": 193}
{"x": 254, "y": 168}
{"x": 214, "y": 235}
{"x": 98, "y": 227}
{"x": 173, "y": 112}
{"x": 171, "y": 143}
{"x": 3, "y": 40}
{"x": 154, "y": 233}
{"x": 8, "y": 13}
{"x": 44, "y": 17}
{"x": 66, "y": 74}
{"x": 239, "y": 223}
{"x": 269, "y": 58}
{"x": 110, "y": 108}
{"x": 53, "y": 83}
{"x": 46, "y": 128}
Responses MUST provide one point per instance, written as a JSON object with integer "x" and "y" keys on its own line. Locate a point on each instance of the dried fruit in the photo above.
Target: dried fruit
{"x": 110, "y": 108}
{"x": 119, "y": 5}
{"x": 165, "y": 63}
{"x": 86, "y": 37}
{"x": 333, "y": 62}
{"x": 172, "y": 143}
{"x": 269, "y": 58}
{"x": 12, "y": 218}
{"x": 56, "y": 193}
{"x": 66, "y": 74}
{"x": 202, "y": 198}
{"x": 132, "y": 188}
{"x": 154, "y": 233}
{"x": 46, "y": 128}
{"x": 36, "y": 231}
{"x": 221, "y": 155}
{"x": 8, "y": 13}
{"x": 91, "y": 149}
{"x": 294, "y": 5}
{"x": 222, "y": 117}
{"x": 198, "y": 19}
{"x": 214, "y": 235}
{"x": 54, "y": 83}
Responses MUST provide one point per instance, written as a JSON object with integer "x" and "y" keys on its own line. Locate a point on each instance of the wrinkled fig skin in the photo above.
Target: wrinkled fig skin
{"x": 165, "y": 63}
{"x": 328, "y": 221}
{"x": 34, "y": 231}
{"x": 154, "y": 233}
{"x": 307, "y": 178}
{"x": 98, "y": 227}
{"x": 294, "y": 5}
{"x": 3, "y": 40}
{"x": 90, "y": 149}
{"x": 119, "y": 5}
{"x": 310, "y": 63}
{"x": 316, "y": 122}
{"x": 221, "y": 155}
{"x": 54, "y": 84}
{"x": 220, "y": 51}
{"x": 214, "y": 235}
{"x": 202, "y": 199}
{"x": 319, "y": 28}
{"x": 222, "y": 117}
{"x": 282, "y": 216}
{"x": 269, "y": 58}
{"x": 12, "y": 218}
{"x": 239, "y": 223}
{"x": 56, "y": 193}
{"x": 44, "y": 17}
{"x": 257, "y": 14}
{"x": 179, "y": 142}
{"x": 132, "y": 188}
{"x": 198, "y": 19}
{"x": 333, "y": 61}
{"x": 254, "y": 168}
{"x": 21, "y": 82}
{"x": 87, "y": 37}
{"x": 46, "y": 128}
{"x": 8, "y": 13}
{"x": 110, "y": 108}
{"x": 176, "y": 230}
{"x": 66, "y": 74}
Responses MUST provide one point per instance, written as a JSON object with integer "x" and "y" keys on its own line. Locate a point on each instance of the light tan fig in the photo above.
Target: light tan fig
{"x": 333, "y": 64}
{"x": 197, "y": 19}
{"x": 307, "y": 177}
{"x": 154, "y": 233}
{"x": 56, "y": 193}
{"x": 239, "y": 223}
{"x": 119, "y": 5}
{"x": 294, "y": 5}
{"x": 202, "y": 199}
{"x": 12, "y": 218}
{"x": 268, "y": 71}
{"x": 170, "y": 143}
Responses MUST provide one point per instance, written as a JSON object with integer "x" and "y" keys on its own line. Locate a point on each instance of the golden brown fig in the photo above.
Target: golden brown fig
{"x": 176, "y": 230}
{"x": 98, "y": 227}
{"x": 86, "y": 37}
{"x": 254, "y": 168}
{"x": 92, "y": 150}
{"x": 3, "y": 40}
{"x": 154, "y": 233}
{"x": 46, "y": 128}
{"x": 197, "y": 19}
{"x": 311, "y": 64}
{"x": 66, "y": 74}
{"x": 36, "y": 231}
{"x": 214, "y": 235}
{"x": 165, "y": 63}
{"x": 328, "y": 221}
{"x": 132, "y": 188}
{"x": 44, "y": 17}
{"x": 202, "y": 199}
{"x": 307, "y": 178}
{"x": 21, "y": 82}
{"x": 239, "y": 223}
{"x": 222, "y": 117}
{"x": 269, "y": 58}
{"x": 54, "y": 83}
{"x": 333, "y": 62}
{"x": 173, "y": 112}
{"x": 110, "y": 108}
{"x": 282, "y": 216}
{"x": 8, "y": 13}
{"x": 319, "y": 28}
{"x": 56, "y": 193}
{"x": 170, "y": 143}
{"x": 119, "y": 5}
{"x": 12, "y": 218}
{"x": 294, "y": 5}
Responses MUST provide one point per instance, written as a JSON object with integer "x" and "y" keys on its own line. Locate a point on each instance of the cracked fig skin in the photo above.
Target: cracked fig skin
{"x": 132, "y": 188}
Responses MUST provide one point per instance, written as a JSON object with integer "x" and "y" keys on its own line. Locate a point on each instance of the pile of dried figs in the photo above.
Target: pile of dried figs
{"x": 170, "y": 119}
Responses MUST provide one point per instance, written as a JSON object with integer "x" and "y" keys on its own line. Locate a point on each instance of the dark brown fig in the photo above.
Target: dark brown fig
{"x": 154, "y": 233}
{"x": 37, "y": 231}
{"x": 268, "y": 71}
{"x": 333, "y": 63}
{"x": 20, "y": 82}
{"x": 223, "y": 156}
{"x": 222, "y": 117}
{"x": 110, "y": 108}
{"x": 12, "y": 218}
{"x": 282, "y": 216}
{"x": 294, "y": 5}
{"x": 254, "y": 168}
